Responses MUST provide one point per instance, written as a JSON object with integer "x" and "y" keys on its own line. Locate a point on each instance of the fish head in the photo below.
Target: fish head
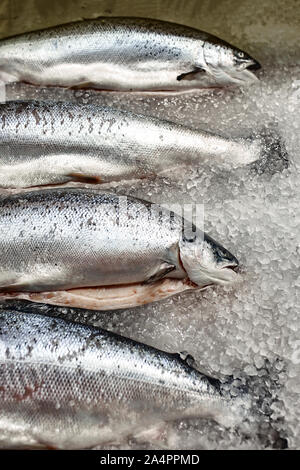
{"x": 206, "y": 262}
{"x": 229, "y": 65}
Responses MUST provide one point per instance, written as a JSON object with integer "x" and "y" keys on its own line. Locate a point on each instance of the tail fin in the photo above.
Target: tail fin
{"x": 263, "y": 391}
{"x": 254, "y": 399}
{"x": 274, "y": 156}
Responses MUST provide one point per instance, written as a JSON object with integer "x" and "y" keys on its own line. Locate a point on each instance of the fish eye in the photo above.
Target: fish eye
{"x": 240, "y": 54}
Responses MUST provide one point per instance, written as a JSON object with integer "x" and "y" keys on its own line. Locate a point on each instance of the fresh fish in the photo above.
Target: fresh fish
{"x": 124, "y": 54}
{"x": 68, "y": 386}
{"x": 55, "y": 143}
{"x": 61, "y": 239}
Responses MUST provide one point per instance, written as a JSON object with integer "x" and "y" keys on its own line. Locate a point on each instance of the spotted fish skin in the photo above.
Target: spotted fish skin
{"x": 57, "y": 239}
{"x": 55, "y": 143}
{"x": 124, "y": 54}
{"x": 69, "y": 386}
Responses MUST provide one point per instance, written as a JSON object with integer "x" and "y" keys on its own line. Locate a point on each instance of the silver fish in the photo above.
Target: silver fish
{"x": 54, "y": 143}
{"x": 60, "y": 239}
{"x": 68, "y": 386}
{"x": 124, "y": 54}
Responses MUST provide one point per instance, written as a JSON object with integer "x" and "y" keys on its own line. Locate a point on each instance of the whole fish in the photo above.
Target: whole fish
{"x": 68, "y": 386}
{"x": 60, "y": 239}
{"x": 54, "y": 143}
{"x": 124, "y": 54}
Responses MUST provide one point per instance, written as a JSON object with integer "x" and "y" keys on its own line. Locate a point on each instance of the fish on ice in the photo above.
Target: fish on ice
{"x": 124, "y": 54}
{"x": 55, "y": 143}
{"x": 69, "y": 386}
{"x": 93, "y": 249}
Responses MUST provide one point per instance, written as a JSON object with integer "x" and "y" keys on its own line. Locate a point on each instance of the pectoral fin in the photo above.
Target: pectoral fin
{"x": 189, "y": 76}
{"x": 163, "y": 270}
{"x": 81, "y": 86}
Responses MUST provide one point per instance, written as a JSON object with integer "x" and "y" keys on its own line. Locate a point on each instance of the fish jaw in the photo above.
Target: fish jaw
{"x": 206, "y": 262}
{"x": 109, "y": 297}
{"x": 228, "y": 65}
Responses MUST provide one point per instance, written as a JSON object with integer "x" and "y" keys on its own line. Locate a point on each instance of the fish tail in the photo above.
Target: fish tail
{"x": 257, "y": 399}
{"x": 274, "y": 157}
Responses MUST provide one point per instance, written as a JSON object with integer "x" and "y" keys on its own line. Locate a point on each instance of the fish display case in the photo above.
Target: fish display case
{"x": 251, "y": 331}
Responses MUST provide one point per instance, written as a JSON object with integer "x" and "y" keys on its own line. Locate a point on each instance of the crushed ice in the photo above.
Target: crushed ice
{"x": 251, "y": 332}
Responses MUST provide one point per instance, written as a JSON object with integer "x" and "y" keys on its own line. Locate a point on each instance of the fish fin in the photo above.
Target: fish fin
{"x": 154, "y": 435}
{"x": 163, "y": 270}
{"x": 189, "y": 76}
{"x": 186, "y": 357}
{"x": 81, "y": 85}
{"x": 81, "y": 178}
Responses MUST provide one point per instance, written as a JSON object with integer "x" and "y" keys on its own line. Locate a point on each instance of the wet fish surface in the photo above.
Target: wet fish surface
{"x": 61, "y": 239}
{"x": 69, "y": 386}
{"x": 55, "y": 143}
{"x": 128, "y": 54}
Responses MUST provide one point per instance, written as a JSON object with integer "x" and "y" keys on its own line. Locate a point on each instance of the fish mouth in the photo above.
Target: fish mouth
{"x": 253, "y": 65}
{"x": 233, "y": 267}
{"x": 208, "y": 276}
{"x": 227, "y": 274}
{"x": 247, "y": 64}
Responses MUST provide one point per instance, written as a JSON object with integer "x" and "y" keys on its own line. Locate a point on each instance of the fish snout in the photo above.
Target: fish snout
{"x": 226, "y": 264}
{"x": 233, "y": 266}
{"x": 253, "y": 65}
{"x": 228, "y": 260}
{"x": 244, "y": 61}
{"x": 223, "y": 257}
{"x": 227, "y": 274}
{"x": 229, "y": 65}
{"x": 207, "y": 262}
